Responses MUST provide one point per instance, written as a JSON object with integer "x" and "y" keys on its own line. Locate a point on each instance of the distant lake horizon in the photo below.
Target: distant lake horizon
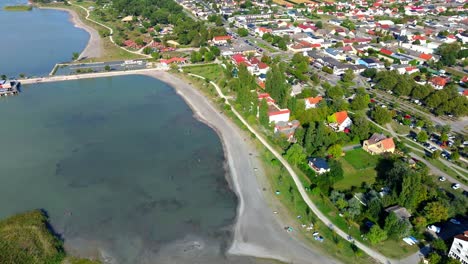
{"x": 36, "y": 40}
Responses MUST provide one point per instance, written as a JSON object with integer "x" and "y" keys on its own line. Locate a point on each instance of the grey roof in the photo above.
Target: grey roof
{"x": 401, "y": 212}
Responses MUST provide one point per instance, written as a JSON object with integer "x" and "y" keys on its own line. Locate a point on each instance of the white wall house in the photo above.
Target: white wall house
{"x": 278, "y": 116}
{"x": 459, "y": 249}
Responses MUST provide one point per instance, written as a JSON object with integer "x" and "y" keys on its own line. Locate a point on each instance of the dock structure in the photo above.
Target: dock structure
{"x": 9, "y": 87}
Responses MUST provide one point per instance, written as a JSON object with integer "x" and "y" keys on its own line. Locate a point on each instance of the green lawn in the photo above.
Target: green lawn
{"x": 358, "y": 167}
{"x": 213, "y": 72}
{"x": 360, "y": 159}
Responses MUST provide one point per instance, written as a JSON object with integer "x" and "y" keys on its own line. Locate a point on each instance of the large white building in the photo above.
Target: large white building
{"x": 459, "y": 249}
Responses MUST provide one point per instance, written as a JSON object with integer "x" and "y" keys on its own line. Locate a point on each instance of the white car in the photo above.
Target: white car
{"x": 442, "y": 178}
{"x": 456, "y": 186}
{"x": 434, "y": 228}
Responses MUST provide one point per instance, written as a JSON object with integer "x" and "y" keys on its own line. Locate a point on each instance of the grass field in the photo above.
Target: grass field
{"x": 26, "y": 238}
{"x": 360, "y": 159}
{"x": 18, "y": 8}
{"x": 358, "y": 167}
{"x": 213, "y": 72}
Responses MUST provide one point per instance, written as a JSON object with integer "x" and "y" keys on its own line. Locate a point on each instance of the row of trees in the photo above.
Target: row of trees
{"x": 280, "y": 42}
{"x": 445, "y": 101}
{"x": 205, "y": 54}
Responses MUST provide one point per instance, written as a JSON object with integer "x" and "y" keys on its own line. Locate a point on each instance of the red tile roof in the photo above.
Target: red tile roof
{"x": 425, "y": 56}
{"x": 341, "y": 116}
{"x": 171, "y": 60}
{"x": 219, "y": 38}
{"x": 238, "y": 58}
{"x": 386, "y": 52}
{"x": 314, "y": 100}
{"x": 419, "y": 37}
{"x": 388, "y": 143}
{"x": 280, "y": 112}
{"x": 439, "y": 81}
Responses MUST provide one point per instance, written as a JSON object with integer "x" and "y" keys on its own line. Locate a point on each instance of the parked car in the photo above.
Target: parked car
{"x": 456, "y": 186}
{"x": 454, "y": 221}
{"x": 434, "y": 228}
{"x": 442, "y": 178}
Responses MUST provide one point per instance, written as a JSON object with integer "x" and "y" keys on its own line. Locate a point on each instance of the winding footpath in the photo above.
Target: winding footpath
{"x": 111, "y": 31}
{"x": 372, "y": 253}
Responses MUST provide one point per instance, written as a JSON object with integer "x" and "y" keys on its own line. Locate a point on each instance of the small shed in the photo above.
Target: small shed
{"x": 401, "y": 212}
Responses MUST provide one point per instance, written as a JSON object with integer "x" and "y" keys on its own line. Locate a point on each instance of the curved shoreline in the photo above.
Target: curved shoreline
{"x": 93, "y": 48}
{"x": 257, "y": 231}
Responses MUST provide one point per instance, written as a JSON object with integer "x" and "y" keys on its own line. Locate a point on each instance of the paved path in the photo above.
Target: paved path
{"x": 351, "y": 147}
{"x": 369, "y": 251}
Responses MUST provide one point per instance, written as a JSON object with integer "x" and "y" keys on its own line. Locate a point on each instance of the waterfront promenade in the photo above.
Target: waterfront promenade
{"x": 88, "y": 75}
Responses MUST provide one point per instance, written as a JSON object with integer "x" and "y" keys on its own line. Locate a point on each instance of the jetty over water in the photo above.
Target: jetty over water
{"x": 87, "y": 76}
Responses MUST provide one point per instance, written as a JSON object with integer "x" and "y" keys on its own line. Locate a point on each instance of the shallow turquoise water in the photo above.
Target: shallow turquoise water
{"x": 34, "y": 41}
{"x": 120, "y": 164}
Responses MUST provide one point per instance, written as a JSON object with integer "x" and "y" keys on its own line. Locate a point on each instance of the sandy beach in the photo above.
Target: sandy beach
{"x": 94, "y": 47}
{"x": 258, "y": 231}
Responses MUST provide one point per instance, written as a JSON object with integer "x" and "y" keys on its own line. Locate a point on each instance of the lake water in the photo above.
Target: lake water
{"x": 33, "y": 42}
{"x": 124, "y": 170}
{"x": 121, "y": 166}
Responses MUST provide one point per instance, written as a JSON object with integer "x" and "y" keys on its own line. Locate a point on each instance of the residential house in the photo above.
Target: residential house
{"x": 319, "y": 165}
{"x": 275, "y": 113}
{"x": 312, "y": 102}
{"x": 404, "y": 69}
{"x": 459, "y": 248}
{"x": 166, "y": 62}
{"x": 262, "y": 30}
{"x": 221, "y": 40}
{"x": 438, "y": 82}
{"x": 347, "y": 42}
{"x": 340, "y": 121}
{"x": 425, "y": 57}
{"x": 254, "y": 65}
{"x": 371, "y": 63}
{"x": 400, "y": 212}
{"x": 378, "y": 144}
{"x": 287, "y": 129}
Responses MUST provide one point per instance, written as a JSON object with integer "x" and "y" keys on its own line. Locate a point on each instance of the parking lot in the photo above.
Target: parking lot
{"x": 101, "y": 67}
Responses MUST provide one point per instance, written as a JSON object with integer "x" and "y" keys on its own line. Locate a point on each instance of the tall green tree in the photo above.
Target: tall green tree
{"x": 435, "y": 212}
{"x": 277, "y": 86}
{"x": 263, "y": 113}
{"x": 295, "y": 154}
{"x": 376, "y": 235}
{"x": 397, "y": 228}
{"x": 381, "y": 115}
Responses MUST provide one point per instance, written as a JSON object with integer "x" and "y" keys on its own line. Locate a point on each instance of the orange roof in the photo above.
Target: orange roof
{"x": 261, "y": 84}
{"x": 425, "y": 56}
{"x": 314, "y": 100}
{"x": 218, "y": 38}
{"x": 341, "y": 116}
{"x": 388, "y": 143}
{"x": 439, "y": 81}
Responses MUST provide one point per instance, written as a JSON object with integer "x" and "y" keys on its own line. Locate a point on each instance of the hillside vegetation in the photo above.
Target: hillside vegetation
{"x": 26, "y": 238}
